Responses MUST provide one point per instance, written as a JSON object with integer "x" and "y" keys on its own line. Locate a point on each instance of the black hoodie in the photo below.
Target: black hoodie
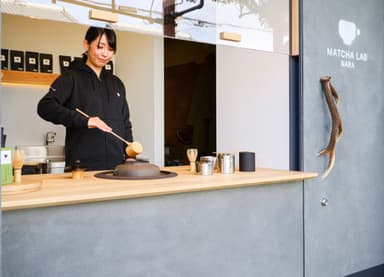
{"x": 105, "y": 97}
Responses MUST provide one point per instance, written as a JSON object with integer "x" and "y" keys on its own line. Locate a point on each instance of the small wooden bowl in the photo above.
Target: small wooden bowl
{"x": 134, "y": 149}
{"x": 78, "y": 174}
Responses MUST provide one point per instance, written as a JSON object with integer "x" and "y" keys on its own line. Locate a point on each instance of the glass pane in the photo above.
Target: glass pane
{"x": 193, "y": 20}
{"x": 254, "y": 24}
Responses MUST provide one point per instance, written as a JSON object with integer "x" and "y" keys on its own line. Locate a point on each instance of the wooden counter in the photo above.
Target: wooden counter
{"x": 59, "y": 189}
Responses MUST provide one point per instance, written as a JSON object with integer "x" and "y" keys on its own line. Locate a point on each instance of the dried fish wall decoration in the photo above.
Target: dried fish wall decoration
{"x": 332, "y": 99}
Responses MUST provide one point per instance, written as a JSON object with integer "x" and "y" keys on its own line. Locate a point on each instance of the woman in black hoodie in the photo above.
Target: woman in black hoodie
{"x": 100, "y": 94}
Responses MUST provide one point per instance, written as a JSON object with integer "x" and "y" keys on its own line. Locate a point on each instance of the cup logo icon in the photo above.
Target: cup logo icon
{"x": 348, "y": 31}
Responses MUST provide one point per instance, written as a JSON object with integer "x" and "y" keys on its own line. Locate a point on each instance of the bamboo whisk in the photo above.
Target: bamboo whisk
{"x": 17, "y": 163}
{"x": 192, "y": 156}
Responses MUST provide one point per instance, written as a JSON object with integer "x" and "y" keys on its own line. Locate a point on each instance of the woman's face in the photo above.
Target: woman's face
{"x": 99, "y": 52}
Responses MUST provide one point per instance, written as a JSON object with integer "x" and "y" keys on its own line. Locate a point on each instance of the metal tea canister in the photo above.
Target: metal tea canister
{"x": 205, "y": 168}
{"x": 227, "y": 162}
{"x": 247, "y": 161}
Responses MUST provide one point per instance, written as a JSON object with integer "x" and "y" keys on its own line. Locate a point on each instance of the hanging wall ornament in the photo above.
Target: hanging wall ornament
{"x": 332, "y": 99}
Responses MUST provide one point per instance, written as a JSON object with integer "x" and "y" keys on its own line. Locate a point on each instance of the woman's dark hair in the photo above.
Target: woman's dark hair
{"x": 97, "y": 32}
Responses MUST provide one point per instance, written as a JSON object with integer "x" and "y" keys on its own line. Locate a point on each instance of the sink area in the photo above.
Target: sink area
{"x": 55, "y": 152}
{"x": 43, "y": 158}
{"x": 42, "y": 153}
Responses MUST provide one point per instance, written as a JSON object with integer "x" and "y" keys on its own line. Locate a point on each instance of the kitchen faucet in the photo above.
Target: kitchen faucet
{"x": 50, "y": 138}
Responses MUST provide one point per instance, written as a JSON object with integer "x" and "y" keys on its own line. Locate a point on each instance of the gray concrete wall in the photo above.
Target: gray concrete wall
{"x": 253, "y": 231}
{"x": 346, "y": 236}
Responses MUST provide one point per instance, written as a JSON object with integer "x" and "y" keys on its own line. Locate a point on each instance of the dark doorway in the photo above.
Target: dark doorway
{"x": 189, "y": 100}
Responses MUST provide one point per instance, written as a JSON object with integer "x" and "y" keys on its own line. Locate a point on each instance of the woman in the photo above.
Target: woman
{"x": 100, "y": 94}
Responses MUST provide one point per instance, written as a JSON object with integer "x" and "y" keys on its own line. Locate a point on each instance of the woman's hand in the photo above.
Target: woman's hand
{"x": 96, "y": 122}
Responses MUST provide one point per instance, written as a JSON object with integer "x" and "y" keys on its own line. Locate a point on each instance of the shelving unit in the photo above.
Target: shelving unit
{"x": 23, "y": 78}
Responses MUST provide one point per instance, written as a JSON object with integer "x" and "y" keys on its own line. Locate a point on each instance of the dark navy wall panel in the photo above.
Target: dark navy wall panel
{"x": 377, "y": 271}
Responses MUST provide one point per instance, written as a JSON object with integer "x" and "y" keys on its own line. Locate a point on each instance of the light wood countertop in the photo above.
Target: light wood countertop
{"x": 60, "y": 189}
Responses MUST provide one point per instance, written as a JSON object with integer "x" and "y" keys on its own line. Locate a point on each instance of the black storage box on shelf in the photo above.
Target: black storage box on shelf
{"x": 32, "y": 61}
{"x": 65, "y": 61}
{"x": 77, "y": 59}
{"x": 46, "y": 63}
{"x": 4, "y": 59}
{"x": 17, "y": 60}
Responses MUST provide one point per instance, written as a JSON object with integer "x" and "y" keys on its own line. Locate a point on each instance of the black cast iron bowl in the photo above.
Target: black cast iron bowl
{"x": 136, "y": 170}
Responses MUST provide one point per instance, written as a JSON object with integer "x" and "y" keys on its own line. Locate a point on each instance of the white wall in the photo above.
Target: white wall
{"x": 139, "y": 62}
{"x": 253, "y": 104}
{"x": 138, "y": 58}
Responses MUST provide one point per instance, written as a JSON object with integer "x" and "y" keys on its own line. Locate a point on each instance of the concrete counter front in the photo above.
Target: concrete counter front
{"x": 242, "y": 224}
